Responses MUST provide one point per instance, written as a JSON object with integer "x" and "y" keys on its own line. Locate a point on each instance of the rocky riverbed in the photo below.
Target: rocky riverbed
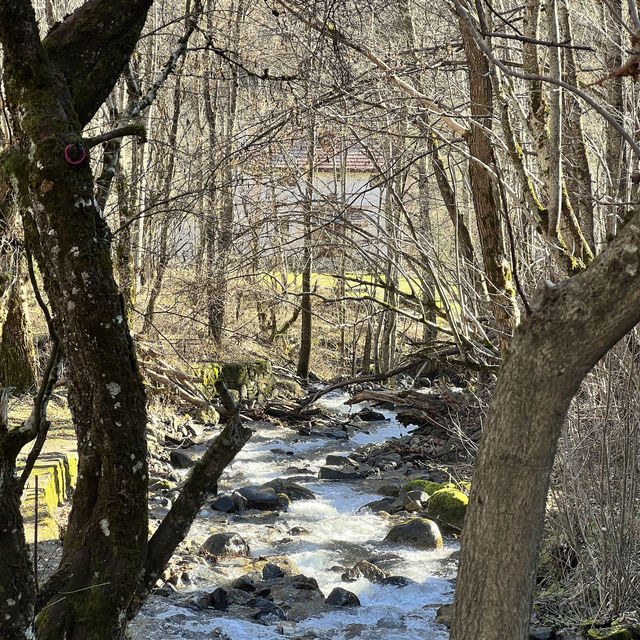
{"x": 313, "y": 533}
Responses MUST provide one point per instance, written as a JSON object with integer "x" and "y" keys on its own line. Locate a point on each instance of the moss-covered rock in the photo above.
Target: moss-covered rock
{"x": 610, "y": 633}
{"x": 448, "y": 506}
{"x": 426, "y": 486}
{"x": 249, "y": 380}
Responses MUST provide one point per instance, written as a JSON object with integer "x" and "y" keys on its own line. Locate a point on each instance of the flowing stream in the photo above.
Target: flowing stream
{"x": 338, "y": 536}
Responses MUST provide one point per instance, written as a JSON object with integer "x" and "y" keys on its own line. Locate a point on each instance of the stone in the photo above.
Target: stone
{"x": 386, "y": 560}
{"x": 224, "y": 503}
{"x": 611, "y": 633}
{"x": 267, "y": 608}
{"x": 208, "y": 415}
{"x": 239, "y": 503}
{"x": 333, "y": 460}
{"x": 448, "y": 506}
{"x": 298, "y": 531}
{"x": 263, "y": 498}
{"x": 417, "y": 532}
{"x": 337, "y": 473}
{"x": 369, "y": 415}
{"x": 244, "y": 583}
{"x": 335, "y": 434}
{"x": 340, "y": 597}
{"x": 426, "y": 486}
{"x": 256, "y": 566}
{"x": 391, "y": 490}
{"x": 272, "y": 571}
{"x": 290, "y": 488}
{"x": 397, "y": 581}
{"x": 219, "y": 599}
{"x": 379, "y": 505}
{"x": 226, "y": 544}
{"x": 366, "y": 570}
{"x": 181, "y": 459}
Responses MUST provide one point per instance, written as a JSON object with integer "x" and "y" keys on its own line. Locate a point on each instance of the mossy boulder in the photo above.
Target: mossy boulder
{"x": 426, "y": 486}
{"x": 611, "y": 633}
{"x": 448, "y": 506}
{"x": 248, "y": 380}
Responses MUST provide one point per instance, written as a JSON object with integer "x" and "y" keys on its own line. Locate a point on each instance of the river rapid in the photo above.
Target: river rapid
{"x": 338, "y": 534}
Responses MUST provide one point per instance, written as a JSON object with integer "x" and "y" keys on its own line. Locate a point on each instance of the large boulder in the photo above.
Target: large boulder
{"x": 448, "y": 506}
{"x": 263, "y": 498}
{"x": 293, "y": 490}
{"x": 226, "y": 544}
{"x": 417, "y": 532}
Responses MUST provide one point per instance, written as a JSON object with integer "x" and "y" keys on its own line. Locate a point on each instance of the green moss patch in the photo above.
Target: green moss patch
{"x": 448, "y": 506}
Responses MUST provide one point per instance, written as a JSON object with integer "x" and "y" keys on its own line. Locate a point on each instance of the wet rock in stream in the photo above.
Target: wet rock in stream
{"x": 226, "y": 544}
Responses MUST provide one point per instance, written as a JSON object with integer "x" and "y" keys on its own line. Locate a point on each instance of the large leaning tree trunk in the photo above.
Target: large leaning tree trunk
{"x": 54, "y": 88}
{"x": 571, "y": 326}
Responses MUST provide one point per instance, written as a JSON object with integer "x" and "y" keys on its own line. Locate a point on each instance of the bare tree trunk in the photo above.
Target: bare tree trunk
{"x": 219, "y": 277}
{"x": 304, "y": 356}
{"x": 106, "y": 539}
{"x": 570, "y": 328}
{"x": 163, "y": 250}
{"x": 484, "y": 191}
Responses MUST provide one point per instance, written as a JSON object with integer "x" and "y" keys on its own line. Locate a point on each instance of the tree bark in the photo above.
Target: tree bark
{"x": 572, "y": 325}
{"x": 484, "y": 192}
{"x": 304, "y": 356}
{"x": 53, "y": 89}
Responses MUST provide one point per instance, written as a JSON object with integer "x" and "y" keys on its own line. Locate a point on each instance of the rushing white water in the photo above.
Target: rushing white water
{"x": 339, "y": 535}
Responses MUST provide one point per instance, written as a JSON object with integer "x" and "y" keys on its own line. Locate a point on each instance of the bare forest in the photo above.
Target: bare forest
{"x": 217, "y": 214}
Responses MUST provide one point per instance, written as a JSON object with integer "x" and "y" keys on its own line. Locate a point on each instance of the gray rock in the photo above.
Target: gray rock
{"x": 182, "y": 459}
{"x": 225, "y": 504}
{"x": 263, "y": 498}
{"x": 208, "y": 415}
{"x": 298, "y": 531}
{"x": 397, "y": 581}
{"x": 340, "y": 461}
{"x": 366, "y": 570}
{"x": 226, "y": 544}
{"x": 290, "y": 488}
{"x": 272, "y": 571}
{"x": 340, "y": 597}
{"x": 386, "y": 560}
{"x": 380, "y": 505}
{"x": 418, "y": 532}
{"x": 338, "y": 473}
{"x": 239, "y": 503}
{"x": 219, "y": 599}
{"x": 244, "y": 583}
{"x": 389, "y": 490}
{"x": 266, "y": 608}
{"x": 369, "y": 415}
{"x": 335, "y": 434}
